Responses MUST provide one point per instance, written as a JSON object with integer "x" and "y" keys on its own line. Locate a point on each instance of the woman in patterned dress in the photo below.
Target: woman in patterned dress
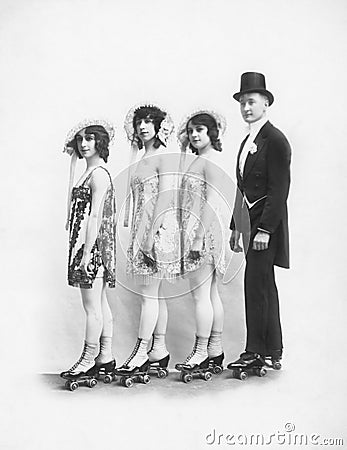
{"x": 153, "y": 248}
{"x": 91, "y": 224}
{"x": 202, "y": 241}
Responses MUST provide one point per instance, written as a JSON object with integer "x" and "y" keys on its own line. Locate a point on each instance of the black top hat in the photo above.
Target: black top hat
{"x": 253, "y": 82}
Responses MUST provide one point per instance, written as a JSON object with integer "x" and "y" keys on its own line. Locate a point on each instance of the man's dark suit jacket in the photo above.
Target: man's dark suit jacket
{"x": 266, "y": 172}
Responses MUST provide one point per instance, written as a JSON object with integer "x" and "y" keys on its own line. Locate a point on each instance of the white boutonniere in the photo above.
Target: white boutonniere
{"x": 253, "y": 149}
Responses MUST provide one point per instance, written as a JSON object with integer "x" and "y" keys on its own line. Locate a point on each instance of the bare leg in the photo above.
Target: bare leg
{"x": 215, "y": 342}
{"x": 200, "y": 289}
{"x": 91, "y": 299}
{"x": 217, "y": 305}
{"x": 105, "y": 351}
{"x": 149, "y": 316}
{"x": 149, "y": 310}
{"x": 158, "y": 349}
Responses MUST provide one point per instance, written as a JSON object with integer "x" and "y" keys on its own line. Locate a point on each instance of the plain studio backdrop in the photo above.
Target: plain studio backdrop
{"x": 63, "y": 61}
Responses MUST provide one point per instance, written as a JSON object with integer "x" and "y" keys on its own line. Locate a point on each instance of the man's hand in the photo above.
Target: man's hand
{"x": 234, "y": 241}
{"x": 261, "y": 241}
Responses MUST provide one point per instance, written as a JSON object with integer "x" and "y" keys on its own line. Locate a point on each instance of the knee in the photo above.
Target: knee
{"x": 93, "y": 310}
{"x": 201, "y": 296}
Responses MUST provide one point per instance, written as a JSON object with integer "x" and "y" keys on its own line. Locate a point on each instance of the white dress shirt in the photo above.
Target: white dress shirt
{"x": 254, "y": 129}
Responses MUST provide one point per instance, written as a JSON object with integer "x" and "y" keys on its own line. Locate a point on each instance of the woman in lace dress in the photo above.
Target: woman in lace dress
{"x": 91, "y": 224}
{"x": 202, "y": 240}
{"x": 153, "y": 248}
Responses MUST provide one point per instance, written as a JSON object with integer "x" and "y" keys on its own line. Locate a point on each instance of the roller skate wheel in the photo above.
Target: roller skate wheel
{"x": 67, "y": 384}
{"x": 107, "y": 379}
{"x": 128, "y": 382}
{"x": 207, "y": 376}
{"x": 91, "y": 383}
{"x": 243, "y": 376}
{"x": 217, "y": 370}
{"x": 260, "y": 372}
{"x": 187, "y": 377}
{"x": 146, "y": 379}
{"x": 122, "y": 381}
{"x": 277, "y": 365}
{"x": 73, "y": 386}
{"x": 162, "y": 373}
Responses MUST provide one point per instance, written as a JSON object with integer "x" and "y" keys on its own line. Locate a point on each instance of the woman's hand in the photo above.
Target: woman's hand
{"x": 86, "y": 266}
{"x": 196, "y": 248}
{"x": 148, "y": 247}
{"x": 197, "y": 244}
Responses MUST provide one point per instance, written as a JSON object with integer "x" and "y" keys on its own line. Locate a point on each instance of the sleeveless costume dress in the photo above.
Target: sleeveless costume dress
{"x": 193, "y": 198}
{"x": 145, "y": 193}
{"x": 103, "y": 253}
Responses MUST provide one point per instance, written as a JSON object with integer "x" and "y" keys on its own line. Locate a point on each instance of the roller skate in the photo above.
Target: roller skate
{"x": 216, "y": 364}
{"x": 135, "y": 368}
{"x": 273, "y": 361}
{"x": 196, "y": 364}
{"x": 159, "y": 356}
{"x": 83, "y": 372}
{"x": 106, "y": 371}
{"x": 248, "y": 363}
{"x": 189, "y": 370}
{"x": 160, "y": 367}
{"x": 88, "y": 378}
{"x": 131, "y": 374}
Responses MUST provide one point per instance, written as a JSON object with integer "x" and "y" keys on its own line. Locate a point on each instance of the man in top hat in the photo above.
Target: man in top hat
{"x": 260, "y": 214}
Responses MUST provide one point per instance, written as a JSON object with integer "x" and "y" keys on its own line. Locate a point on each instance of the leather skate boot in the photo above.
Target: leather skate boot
{"x": 85, "y": 366}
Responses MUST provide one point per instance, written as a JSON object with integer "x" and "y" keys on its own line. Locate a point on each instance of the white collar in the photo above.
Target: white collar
{"x": 255, "y": 127}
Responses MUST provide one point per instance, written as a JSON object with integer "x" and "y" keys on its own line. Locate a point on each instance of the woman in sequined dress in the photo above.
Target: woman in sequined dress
{"x": 91, "y": 261}
{"x": 202, "y": 241}
{"x": 153, "y": 248}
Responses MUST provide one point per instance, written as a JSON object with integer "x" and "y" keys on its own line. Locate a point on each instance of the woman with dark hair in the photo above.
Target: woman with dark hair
{"x": 202, "y": 243}
{"x": 91, "y": 263}
{"x": 153, "y": 248}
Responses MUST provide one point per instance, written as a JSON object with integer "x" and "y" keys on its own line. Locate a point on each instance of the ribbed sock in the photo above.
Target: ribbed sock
{"x": 139, "y": 354}
{"x": 199, "y": 353}
{"x": 214, "y": 347}
{"x": 105, "y": 352}
{"x": 158, "y": 350}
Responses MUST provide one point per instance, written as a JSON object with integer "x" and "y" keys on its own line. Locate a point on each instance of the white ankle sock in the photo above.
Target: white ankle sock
{"x": 214, "y": 347}
{"x": 199, "y": 353}
{"x": 139, "y": 354}
{"x": 86, "y": 360}
{"x": 105, "y": 352}
{"x": 158, "y": 350}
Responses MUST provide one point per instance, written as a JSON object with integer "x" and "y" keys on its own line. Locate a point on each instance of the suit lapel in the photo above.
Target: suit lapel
{"x": 259, "y": 141}
{"x": 239, "y": 178}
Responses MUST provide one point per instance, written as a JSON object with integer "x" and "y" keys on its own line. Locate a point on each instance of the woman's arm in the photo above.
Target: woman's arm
{"x": 214, "y": 177}
{"x": 99, "y": 182}
{"x": 167, "y": 171}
